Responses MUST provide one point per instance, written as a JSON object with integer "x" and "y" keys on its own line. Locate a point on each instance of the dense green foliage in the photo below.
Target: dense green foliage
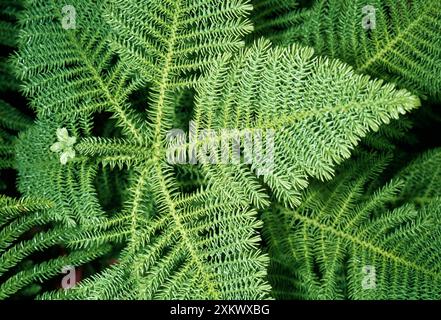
{"x": 344, "y": 204}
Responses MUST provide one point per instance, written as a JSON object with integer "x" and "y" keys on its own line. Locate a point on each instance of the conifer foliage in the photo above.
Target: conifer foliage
{"x": 219, "y": 149}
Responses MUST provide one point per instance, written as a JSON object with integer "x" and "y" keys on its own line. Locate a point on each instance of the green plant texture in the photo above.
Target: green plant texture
{"x": 220, "y": 149}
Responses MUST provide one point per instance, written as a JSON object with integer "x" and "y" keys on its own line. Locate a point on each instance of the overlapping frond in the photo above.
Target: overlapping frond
{"x": 317, "y": 108}
{"x": 17, "y": 217}
{"x": 69, "y": 70}
{"x": 171, "y": 40}
{"x": 397, "y": 40}
{"x": 273, "y": 16}
{"x": 205, "y": 248}
{"x": 387, "y": 136}
{"x": 343, "y": 243}
{"x": 422, "y": 178}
